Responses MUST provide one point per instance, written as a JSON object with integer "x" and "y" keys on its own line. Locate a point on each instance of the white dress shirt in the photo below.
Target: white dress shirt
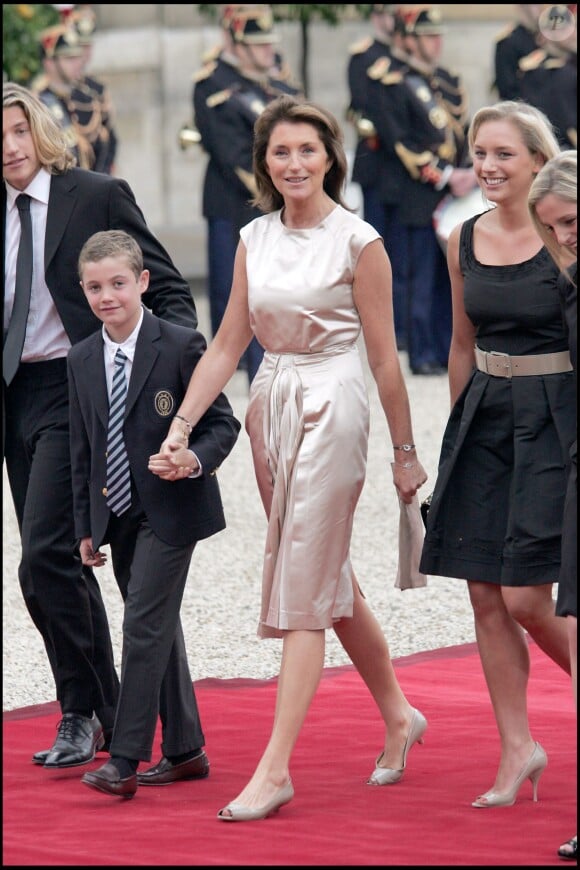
{"x": 110, "y": 348}
{"x": 46, "y": 337}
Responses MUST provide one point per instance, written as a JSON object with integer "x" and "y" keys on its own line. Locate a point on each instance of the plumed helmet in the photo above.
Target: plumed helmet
{"x": 250, "y": 24}
{"x": 60, "y": 41}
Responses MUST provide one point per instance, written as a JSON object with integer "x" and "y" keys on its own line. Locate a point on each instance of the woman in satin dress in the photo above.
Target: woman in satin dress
{"x": 553, "y": 206}
{"x": 308, "y": 276}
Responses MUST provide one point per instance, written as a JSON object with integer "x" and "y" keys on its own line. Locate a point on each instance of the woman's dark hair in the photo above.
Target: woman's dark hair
{"x": 292, "y": 110}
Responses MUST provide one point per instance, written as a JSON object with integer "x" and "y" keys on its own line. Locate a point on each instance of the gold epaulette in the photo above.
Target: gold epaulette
{"x": 211, "y": 54}
{"x": 506, "y": 31}
{"x": 247, "y": 178}
{"x": 392, "y": 78}
{"x": 361, "y": 45}
{"x": 39, "y": 83}
{"x": 379, "y": 68}
{"x": 532, "y": 60}
{"x": 204, "y": 72}
{"x": 218, "y": 98}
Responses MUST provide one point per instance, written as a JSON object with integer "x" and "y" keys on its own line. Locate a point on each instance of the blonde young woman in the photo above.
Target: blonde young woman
{"x": 309, "y": 275}
{"x": 496, "y": 513}
{"x": 553, "y": 207}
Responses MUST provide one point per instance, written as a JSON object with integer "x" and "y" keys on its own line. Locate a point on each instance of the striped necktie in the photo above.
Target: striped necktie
{"x": 16, "y": 332}
{"x": 118, "y": 472}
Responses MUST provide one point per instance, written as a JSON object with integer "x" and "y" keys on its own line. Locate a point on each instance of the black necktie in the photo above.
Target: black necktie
{"x": 14, "y": 339}
{"x": 118, "y": 472}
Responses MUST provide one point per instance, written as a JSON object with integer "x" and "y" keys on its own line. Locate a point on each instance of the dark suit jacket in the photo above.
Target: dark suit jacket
{"x": 82, "y": 203}
{"x": 179, "y": 512}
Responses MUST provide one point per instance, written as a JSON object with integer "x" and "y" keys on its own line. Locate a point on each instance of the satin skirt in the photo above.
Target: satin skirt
{"x": 308, "y": 422}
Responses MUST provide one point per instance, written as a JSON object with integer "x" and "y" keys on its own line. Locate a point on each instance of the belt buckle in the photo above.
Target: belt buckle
{"x": 502, "y": 361}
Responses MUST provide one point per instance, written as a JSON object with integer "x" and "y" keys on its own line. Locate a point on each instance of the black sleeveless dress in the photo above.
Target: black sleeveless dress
{"x": 566, "y": 604}
{"x": 496, "y": 510}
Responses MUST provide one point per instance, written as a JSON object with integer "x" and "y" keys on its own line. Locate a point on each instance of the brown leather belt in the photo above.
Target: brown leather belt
{"x": 502, "y": 365}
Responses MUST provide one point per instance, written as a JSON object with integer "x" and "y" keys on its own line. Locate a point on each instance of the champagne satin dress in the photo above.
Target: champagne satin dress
{"x": 308, "y": 413}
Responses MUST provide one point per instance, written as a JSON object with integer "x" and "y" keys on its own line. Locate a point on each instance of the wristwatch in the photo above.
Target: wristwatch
{"x": 406, "y": 447}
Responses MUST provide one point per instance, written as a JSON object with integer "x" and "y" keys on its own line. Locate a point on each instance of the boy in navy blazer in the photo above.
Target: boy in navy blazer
{"x": 151, "y": 539}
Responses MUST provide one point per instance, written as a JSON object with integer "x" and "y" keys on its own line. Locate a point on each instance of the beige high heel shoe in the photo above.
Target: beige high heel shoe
{"x": 389, "y": 775}
{"x": 240, "y": 813}
{"x": 532, "y": 770}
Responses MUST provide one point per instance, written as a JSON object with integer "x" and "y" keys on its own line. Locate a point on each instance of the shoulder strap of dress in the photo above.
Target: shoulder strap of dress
{"x": 466, "y": 242}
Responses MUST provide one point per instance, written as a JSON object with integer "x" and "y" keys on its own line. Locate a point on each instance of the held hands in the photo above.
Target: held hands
{"x": 408, "y": 477}
{"x": 90, "y": 557}
{"x": 174, "y": 461}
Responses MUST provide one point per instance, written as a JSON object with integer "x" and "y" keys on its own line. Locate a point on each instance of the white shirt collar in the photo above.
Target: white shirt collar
{"x": 128, "y": 346}
{"x": 39, "y": 189}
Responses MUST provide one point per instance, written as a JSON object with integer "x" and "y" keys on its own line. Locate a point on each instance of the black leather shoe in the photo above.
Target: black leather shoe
{"x": 108, "y": 780}
{"x": 165, "y": 772}
{"x": 78, "y": 740}
{"x": 40, "y": 757}
{"x": 428, "y": 369}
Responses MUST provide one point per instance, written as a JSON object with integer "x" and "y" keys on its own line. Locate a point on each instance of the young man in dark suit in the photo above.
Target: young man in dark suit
{"x": 152, "y": 525}
{"x": 66, "y": 205}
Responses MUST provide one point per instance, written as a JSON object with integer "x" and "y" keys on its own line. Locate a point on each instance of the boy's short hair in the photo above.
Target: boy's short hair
{"x": 111, "y": 243}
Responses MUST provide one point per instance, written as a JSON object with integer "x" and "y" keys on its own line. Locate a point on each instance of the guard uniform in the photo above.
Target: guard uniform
{"x": 91, "y": 102}
{"x": 226, "y": 104}
{"x": 549, "y": 81}
{"x": 376, "y": 167}
{"x": 512, "y": 44}
{"x": 96, "y": 117}
{"x": 421, "y": 113}
{"x": 55, "y": 42}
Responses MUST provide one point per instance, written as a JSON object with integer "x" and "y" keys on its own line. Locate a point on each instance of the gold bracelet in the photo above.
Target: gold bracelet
{"x": 406, "y": 447}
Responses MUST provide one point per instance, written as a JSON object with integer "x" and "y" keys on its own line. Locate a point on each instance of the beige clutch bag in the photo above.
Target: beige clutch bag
{"x": 411, "y": 535}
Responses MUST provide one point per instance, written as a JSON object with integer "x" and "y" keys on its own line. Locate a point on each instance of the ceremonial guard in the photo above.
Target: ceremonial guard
{"x": 514, "y": 42}
{"x": 96, "y": 119}
{"x": 420, "y": 111}
{"x": 549, "y": 81}
{"x": 77, "y": 109}
{"x": 376, "y": 168}
{"x": 61, "y": 55}
{"x": 229, "y": 93}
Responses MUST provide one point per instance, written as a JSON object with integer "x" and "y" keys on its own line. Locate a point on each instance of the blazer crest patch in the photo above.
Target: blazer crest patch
{"x": 164, "y": 403}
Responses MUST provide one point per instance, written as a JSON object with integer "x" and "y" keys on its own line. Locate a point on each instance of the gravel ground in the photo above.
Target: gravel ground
{"x": 221, "y": 602}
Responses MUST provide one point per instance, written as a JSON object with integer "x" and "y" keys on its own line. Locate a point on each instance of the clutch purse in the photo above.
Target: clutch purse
{"x": 411, "y": 535}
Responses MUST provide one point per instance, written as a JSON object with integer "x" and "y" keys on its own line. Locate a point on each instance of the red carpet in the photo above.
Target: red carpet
{"x": 51, "y": 819}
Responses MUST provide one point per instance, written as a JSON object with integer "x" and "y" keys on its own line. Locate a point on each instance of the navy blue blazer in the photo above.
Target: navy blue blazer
{"x": 179, "y": 512}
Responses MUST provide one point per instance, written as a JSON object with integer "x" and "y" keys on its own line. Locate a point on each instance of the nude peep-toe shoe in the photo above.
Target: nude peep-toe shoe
{"x": 390, "y": 775}
{"x": 240, "y": 813}
{"x": 532, "y": 770}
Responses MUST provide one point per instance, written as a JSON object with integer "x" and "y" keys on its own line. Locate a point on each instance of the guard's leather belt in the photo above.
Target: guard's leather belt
{"x": 502, "y": 365}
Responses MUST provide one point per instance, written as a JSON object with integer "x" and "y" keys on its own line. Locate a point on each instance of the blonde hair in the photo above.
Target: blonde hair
{"x": 111, "y": 243}
{"x": 48, "y": 138}
{"x": 559, "y": 177}
{"x": 293, "y": 110}
{"x": 535, "y": 128}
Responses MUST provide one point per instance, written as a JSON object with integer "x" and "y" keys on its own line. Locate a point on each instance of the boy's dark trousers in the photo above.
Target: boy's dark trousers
{"x": 155, "y": 676}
